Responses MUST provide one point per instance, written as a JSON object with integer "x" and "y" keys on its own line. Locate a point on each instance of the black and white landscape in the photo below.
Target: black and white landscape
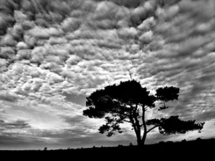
{"x": 55, "y": 53}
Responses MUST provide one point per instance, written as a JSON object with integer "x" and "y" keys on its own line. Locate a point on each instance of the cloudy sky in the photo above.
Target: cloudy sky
{"x": 54, "y": 53}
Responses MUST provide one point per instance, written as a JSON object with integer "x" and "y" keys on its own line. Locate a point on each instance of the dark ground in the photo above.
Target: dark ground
{"x": 185, "y": 150}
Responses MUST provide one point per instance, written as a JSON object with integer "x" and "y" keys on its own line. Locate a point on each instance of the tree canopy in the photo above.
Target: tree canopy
{"x": 128, "y": 102}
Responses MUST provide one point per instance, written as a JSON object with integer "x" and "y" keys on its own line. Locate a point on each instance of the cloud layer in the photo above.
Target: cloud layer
{"x": 53, "y": 53}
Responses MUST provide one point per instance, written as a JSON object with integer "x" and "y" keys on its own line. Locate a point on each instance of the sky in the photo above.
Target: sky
{"x": 55, "y": 53}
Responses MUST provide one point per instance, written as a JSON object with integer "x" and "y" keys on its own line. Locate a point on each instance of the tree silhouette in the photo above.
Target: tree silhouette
{"x": 129, "y": 102}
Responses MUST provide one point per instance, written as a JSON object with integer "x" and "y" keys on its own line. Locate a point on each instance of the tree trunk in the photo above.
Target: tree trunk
{"x": 144, "y": 129}
{"x": 143, "y": 138}
{"x": 141, "y": 142}
{"x": 138, "y": 135}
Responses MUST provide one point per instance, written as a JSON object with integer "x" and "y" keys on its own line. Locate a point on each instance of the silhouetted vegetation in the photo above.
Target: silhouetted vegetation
{"x": 169, "y": 150}
{"x": 129, "y": 102}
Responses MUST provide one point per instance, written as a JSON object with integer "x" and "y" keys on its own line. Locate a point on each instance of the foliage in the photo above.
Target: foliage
{"x": 128, "y": 102}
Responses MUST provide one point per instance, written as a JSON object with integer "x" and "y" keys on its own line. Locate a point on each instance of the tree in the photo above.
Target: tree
{"x": 129, "y": 102}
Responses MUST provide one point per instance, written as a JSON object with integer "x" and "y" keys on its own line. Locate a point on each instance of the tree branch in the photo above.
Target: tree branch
{"x": 133, "y": 124}
{"x": 152, "y": 128}
{"x": 144, "y": 123}
{"x": 136, "y": 106}
{"x": 135, "y": 118}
